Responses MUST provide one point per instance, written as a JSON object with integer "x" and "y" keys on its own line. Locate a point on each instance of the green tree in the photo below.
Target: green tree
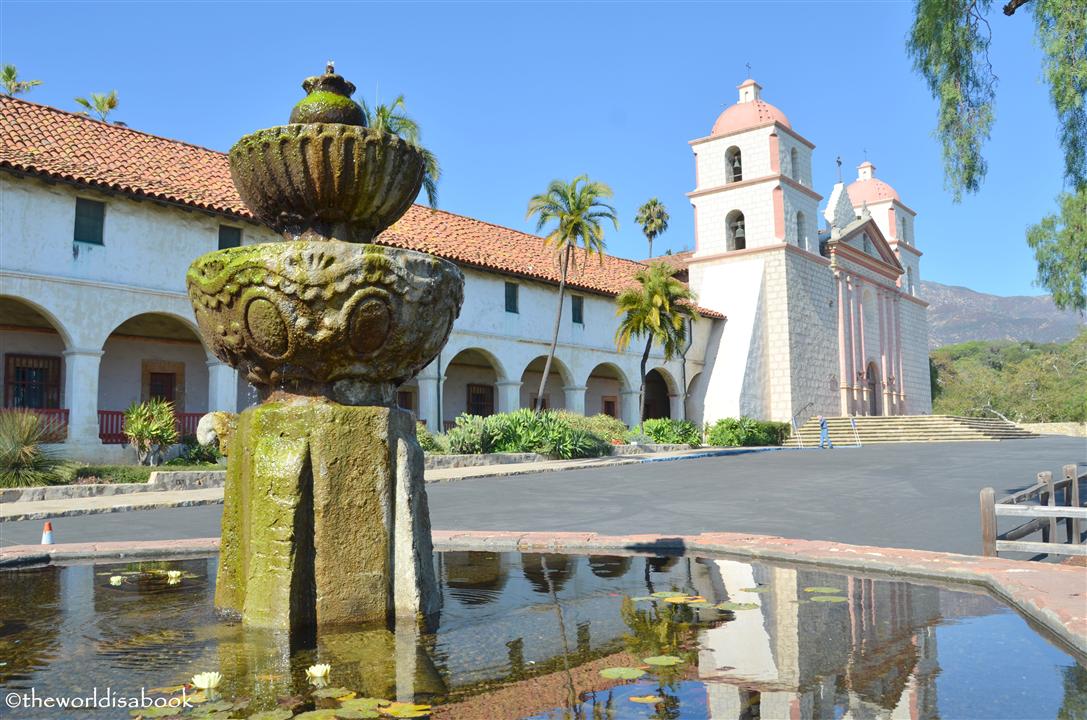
{"x": 576, "y": 211}
{"x": 1059, "y": 242}
{"x": 393, "y": 118}
{"x": 949, "y": 43}
{"x": 658, "y": 309}
{"x": 99, "y": 104}
{"x": 9, "y": 78}
{"x": 653, "y": 217}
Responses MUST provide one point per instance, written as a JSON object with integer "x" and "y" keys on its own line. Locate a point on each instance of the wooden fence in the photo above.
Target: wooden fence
{"x": 1045, "y": 515}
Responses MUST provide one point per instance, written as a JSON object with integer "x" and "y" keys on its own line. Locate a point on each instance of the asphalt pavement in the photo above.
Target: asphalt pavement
{"x": 922, "y": 496}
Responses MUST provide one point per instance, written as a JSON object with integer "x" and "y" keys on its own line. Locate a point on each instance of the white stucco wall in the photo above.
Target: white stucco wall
{"x": 120, "y": 374}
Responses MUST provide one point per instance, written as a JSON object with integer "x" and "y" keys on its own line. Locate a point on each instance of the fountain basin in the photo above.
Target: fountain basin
{"x": 344, "y": 320}
{"x": 325, "y": 181}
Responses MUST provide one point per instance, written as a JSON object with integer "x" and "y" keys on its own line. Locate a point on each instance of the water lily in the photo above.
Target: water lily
{"x": 116, "y": 580}
{"x": 173, "y": 577}
{"x": 318, "y": 673}
{"x": 206, "y": 680}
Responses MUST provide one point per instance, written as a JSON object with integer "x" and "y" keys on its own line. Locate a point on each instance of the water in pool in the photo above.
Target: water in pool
{"x": 541, "y": 636}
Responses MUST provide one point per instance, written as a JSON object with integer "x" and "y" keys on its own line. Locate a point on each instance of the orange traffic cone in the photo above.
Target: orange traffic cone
{"x": 47, "y": 533}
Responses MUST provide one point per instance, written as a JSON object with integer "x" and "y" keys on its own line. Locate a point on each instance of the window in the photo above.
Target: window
{"x": 32, "y": 381}
{"x": 229, "y": 237}
{"x": 801, "y": 232}
{"x": 512, "y": 290}
{"x": 734, "y": 166}
{"x": 577, "y": 309}
{"x": 162, "y": 385}
{"x": 610, "y": 406}
{"x": 405, "y": 400}
{"x": 910, "y": 288}
{"x": 90, "y": 217}
{"x": 480, "y": 400}
{"x": 737, "y": 235}
{"x": 867, "y": 244}
{"x": 794, "y": 164}
{"x": 544, "y": 404}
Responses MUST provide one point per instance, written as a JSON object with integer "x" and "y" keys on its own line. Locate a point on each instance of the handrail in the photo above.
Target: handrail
{"x": 1044, "y": 517}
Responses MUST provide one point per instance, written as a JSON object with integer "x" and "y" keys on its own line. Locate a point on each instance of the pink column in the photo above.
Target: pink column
{"x": 779, "y": 213}
{"x": 898, "y": 358}
{"x": 843, "y": 367}
{"x": 863, "y": 360}
{"x": 854, "y": 343}
{"x": 881, "y": 304}
{"x": 891, "y": 372}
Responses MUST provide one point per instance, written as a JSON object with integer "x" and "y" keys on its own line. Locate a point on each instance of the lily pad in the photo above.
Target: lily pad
{"x": 685, "y": 599}
{"x": 829, "y": 598}
{"x": 345, "y": 714}
{"x": 646, "y": 699}
{"x": 668, "y": 594}
{"x": 364, "y": 703}
{"x": 278, "y": 714}
{"x": 406, "y": 710}
{"x": 334, "y": 692}
{"x": 821, "y": 590}
{"x": 622, "y": 673}
{"x": 643, "y": 598}
{"x": 324, "y": 714}
{"x": 155, "y": 712}
{"x": 213, "y": 707}
{"x": 759, "y": 589}
{"x": 734, "y": 606}
{"x": 662, "y": 660}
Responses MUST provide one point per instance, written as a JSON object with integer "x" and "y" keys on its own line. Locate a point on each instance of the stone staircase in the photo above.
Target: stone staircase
{"x": 910, "y": 428}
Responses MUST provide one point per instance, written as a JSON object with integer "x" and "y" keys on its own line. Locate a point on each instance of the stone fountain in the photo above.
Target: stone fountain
{"x": 325, "y": 518}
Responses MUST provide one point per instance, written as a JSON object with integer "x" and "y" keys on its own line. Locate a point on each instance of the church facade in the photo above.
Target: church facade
{"x": 98, "y": 223}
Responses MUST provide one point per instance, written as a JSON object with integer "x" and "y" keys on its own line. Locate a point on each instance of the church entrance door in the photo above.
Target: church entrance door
{"x": 873, "y": 389}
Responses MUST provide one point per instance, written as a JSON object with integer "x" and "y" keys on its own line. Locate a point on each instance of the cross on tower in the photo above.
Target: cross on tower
{"x": 748, "y": 66}
{"x": 838, "y": 160}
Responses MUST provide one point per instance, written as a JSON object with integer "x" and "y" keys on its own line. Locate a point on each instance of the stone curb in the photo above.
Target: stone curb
{"x": 135, "y": 504}
{"x": 1052, "y": 597}
{"x": 159, "y": 481}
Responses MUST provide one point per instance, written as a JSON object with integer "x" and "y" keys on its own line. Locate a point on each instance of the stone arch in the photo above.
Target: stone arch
{"x": 734, "y": 165}
{"x": 604, "y": 386}
{"x": 559, "y": 377}
{"x": 471, "y": 379}
{"x": 34, "y": 341}
{"x": 695, "y": 400}
{"x": 660, "y": 388}
{"x": 153, "y": 354}
{"x": 736, "y": 231}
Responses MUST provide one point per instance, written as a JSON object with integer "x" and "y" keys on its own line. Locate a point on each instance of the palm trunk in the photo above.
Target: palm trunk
{"x": 555, "y": 335}
{"x": 641, "y": 390}
{"x": 650, "y": 247}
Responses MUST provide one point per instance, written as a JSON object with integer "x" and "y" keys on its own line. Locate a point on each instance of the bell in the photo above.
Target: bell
{"x": 738, "y": 230}
{"x": 737, "y": 167}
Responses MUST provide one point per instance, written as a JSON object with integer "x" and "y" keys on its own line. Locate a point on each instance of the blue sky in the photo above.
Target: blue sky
{"x": 513, "y": 95}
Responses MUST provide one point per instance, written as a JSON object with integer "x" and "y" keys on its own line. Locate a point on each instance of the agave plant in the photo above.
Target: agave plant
{"x": 151, "y": 429}
{"x": 23, "y": 460}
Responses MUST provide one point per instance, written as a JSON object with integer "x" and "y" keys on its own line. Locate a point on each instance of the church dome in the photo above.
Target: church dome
{"x": 868, "y": 189}
{"x": 749, "y": 112}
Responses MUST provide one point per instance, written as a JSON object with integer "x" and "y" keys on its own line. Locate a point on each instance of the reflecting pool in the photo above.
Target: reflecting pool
{"x": 538, "y": 635}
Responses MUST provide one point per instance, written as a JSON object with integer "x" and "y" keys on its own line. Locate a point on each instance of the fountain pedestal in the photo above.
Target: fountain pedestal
{"x": 326, "y": 516}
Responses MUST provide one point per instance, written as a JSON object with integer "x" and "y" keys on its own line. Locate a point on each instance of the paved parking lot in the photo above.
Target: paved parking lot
{"x": 918, "y": 495}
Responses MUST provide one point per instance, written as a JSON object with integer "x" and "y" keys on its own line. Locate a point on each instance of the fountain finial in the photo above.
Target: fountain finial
{"x": 328, "y": 100}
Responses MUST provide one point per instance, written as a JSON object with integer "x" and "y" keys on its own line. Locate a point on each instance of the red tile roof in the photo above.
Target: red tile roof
{"x": 41, "y": 140}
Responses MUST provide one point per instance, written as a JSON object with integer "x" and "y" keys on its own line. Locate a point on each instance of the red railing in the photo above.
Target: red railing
{"x": 111, "y": 425}
{"x": 54, "y": 422}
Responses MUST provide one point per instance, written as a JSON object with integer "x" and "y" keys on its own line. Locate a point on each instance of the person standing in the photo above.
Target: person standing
{"x": 824, "y": 434}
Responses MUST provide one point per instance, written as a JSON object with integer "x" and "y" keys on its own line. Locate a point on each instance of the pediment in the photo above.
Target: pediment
{"x": 853, "y": 237}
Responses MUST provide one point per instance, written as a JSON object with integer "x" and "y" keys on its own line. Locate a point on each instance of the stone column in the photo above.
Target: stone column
{"x": 898, "y": 357}
{"x": 675, "y": 406}
{"x": 428, "y": 401}
{"x": 862, "y": 361}
{"x": 853, "y": 345}
{"x": 881, "y": 302}
{"x": 843, "y": 363}
{"x": 81, "y": 396}
{"x": 575, "y": 398}
{"x": 630, "y": 404}
{"x": 222, "y": 387}
{"x": 509, "y": 395}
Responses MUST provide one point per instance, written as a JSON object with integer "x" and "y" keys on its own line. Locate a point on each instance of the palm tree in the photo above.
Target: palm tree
{"x": 577, "y": 210}
{"x": 394, "y": 119}
{"x": 653, "y": 217}
{"x": 101, "y": 105}
{"x": 9, "y": 78}
{"x": 657, "y": 308}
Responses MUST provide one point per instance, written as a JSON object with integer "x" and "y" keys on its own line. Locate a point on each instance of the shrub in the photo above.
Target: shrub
{"x": 431, "y": 442}
{"x": 745, "y": 431}
{"x": 672, "y": 432}
{"x": 118, "y": 474}
{"x": 193, "y": 453}
{"x": 23, "y": 460}
{"x": 150, "y": 427}
{"x": 611, "y": 430}
{"x": 469, "y": 436}
{"x": 547, "y": 433}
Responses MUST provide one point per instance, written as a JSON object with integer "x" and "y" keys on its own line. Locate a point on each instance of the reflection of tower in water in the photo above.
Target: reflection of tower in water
{"x": 873, "y": 655}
